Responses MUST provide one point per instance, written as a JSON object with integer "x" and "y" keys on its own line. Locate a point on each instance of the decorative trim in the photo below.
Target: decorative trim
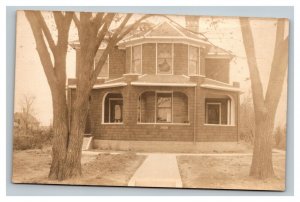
{"x": 108, "y": 85}
{"x": 136, "y": 83}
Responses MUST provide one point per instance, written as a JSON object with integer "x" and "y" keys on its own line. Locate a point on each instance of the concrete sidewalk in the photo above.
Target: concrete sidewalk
{"x": 158, "y": 170}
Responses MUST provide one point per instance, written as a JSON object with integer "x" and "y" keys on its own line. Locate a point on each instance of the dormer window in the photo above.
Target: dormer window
{"x": 164, "y": 58}
{"x": 136, "y": 62}
{"x": 194, "y": 64}
{"x": 104, "y": 73}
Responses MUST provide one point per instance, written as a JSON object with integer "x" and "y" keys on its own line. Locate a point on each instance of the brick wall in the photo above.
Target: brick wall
{"x": 128, "y": 59}
{"x": 214, "y": 132}
{"x": 117, "y": 61}
{"x": 132, "y": 130}
{"x": 217, "y": 69}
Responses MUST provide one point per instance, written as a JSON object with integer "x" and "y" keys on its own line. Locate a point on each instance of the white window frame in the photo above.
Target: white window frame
{"x": 131, "y": 58}
{"x": 103, "y": 110}
{"x": 155, "y": 111}
{"x": 199, "y": 60}
{"x": 172, "y": 55}
{"x": 230, "y": 113}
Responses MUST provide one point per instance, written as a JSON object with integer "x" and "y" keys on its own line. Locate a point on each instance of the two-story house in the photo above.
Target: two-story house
{"x": 164, "y": 84}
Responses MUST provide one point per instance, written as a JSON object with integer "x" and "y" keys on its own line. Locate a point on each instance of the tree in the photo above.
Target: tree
{"x": 265, "y": 106}
{"x": 93, "y": 29}
{"x": 27, "y": 112}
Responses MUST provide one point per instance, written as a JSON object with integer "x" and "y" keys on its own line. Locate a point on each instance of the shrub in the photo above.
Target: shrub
{"x": 247, "y": 120}
{"x": 280, "y": 138}
{"x": 35, "y": 139}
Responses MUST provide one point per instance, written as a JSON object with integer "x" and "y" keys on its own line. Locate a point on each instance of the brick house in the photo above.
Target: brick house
{"x": 163, "y": 84}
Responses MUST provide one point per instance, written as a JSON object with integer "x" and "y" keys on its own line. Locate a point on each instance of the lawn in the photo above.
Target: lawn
{"x": 227, "y": 172}
{"x": 32, "y": 166}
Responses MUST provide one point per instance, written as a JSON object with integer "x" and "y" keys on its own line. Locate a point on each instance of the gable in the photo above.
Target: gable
{"x": 164, "y": 29}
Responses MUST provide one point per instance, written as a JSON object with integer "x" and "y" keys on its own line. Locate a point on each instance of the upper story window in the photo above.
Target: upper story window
{"x": 194, "y": 62}
{"x": 136, "y": 63}
{"x": 104, "y": 73}
{"x": 164, "y": 58}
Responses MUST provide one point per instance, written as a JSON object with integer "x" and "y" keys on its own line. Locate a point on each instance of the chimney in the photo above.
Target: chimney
{"x": 192, "y": 23}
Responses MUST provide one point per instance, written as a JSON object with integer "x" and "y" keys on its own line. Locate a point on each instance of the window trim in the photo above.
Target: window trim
{"x": 198, "y": 68}
{"x": 155, "y": 111}
{"x": 172, "y": 55}
{"x": 131, "y": 58}
{"x": 103, "y": 109}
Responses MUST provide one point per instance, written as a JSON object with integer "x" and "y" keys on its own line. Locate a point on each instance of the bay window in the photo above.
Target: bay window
{"x": 164, "y": 58}
{"x": 194, "y": 63}
{"x": 136, "y": 63}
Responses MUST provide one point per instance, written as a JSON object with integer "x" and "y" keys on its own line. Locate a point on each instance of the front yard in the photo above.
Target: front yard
{"x": 227, "y": 172}
{"x": 32, "y": 166}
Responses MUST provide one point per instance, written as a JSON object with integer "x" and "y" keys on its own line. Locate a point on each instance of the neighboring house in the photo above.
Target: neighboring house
{"x": 25, "y": 121}
{"x": 163, "y": 84}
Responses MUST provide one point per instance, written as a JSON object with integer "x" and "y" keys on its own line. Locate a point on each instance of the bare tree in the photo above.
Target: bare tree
{"x": 27, "y": 111}
{"x": 265, "y": 106}
{"x": 93, "y": 29}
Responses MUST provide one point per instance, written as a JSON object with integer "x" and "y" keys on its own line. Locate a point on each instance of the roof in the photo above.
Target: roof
{"x": 164, "y": 80}
{"x": 218, "y": 85}
{"x": 166, "y": 30}
{"x": 217, "y": 51}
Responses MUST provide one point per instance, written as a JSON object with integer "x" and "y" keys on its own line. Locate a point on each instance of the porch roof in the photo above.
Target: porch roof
{"x": 164, "y": 80}
{"x": 218, "y": 85}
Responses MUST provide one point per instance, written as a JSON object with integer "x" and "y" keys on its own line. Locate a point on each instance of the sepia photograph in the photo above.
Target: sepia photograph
{"x": 150, "y": 100}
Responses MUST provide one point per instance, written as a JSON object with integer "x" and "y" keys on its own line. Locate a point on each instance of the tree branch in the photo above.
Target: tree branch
{"x": 132, "y": 27}
{"x": 256, "y": 85}
{"x": 46, "y": 31}
{"x": 279, "y": 66}
{"x": 41, "y": 47}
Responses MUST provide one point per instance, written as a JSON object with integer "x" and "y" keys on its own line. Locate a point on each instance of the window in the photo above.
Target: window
{"x": 164, "y": 58}
{"x": 113, "y": 108}
{"x": 219, "y": 110}
{"x": 162, "y": 107}
{"x": 136, "y": 63}
{"x": 213, "y": 113}
{"x": 104, "y": 73}
{"x": 194, "y": 60}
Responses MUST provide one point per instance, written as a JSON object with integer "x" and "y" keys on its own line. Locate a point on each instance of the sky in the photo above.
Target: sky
{"x": 30, "y": 79}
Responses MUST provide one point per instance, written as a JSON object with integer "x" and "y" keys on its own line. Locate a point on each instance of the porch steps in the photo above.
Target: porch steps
{"x": 87, "y": 142}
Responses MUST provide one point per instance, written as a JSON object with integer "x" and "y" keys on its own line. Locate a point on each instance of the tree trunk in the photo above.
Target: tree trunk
{"x": 72, "y": 167}
{"x": 60, "y": 136}
{"x": 262, "y": 166}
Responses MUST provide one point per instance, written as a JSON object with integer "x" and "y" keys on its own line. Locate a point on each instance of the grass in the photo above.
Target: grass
{"x": 227, "y": 172}
{"x": 32, "y": 166}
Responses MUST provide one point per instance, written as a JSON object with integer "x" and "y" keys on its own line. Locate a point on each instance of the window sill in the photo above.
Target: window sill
{"x": 112, "y": 123}
{"x": 207, "y": 124}
{"x": 184, "y": 124}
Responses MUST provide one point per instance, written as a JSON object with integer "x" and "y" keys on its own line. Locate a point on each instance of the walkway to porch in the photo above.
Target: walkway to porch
{"x": 158, "y": 170}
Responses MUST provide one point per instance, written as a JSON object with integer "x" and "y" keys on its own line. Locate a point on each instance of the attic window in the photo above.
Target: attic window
{"x": 104, "y": 73}
{"x": 164, "y": 58}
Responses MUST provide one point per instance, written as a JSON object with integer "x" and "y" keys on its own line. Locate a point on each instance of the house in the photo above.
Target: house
{"x": 166, "y": 83}
{"x": 25, "y": 121}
